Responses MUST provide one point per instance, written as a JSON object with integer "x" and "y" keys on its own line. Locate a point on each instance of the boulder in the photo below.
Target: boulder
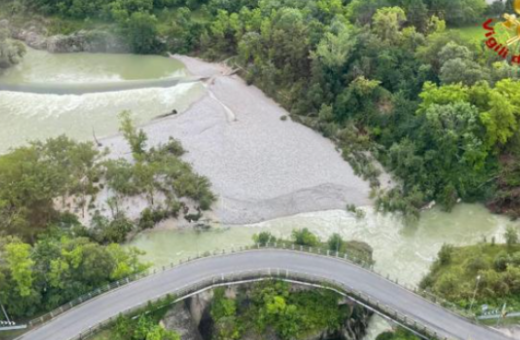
{"x": 33, "y": 34}
{"x": 179, "y": 319}
{"x": 36, "y": 35}
{"x": 86, "y": 41}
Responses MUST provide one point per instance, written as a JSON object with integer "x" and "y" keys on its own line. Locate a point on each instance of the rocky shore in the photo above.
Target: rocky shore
{"x": 36, "y": 35}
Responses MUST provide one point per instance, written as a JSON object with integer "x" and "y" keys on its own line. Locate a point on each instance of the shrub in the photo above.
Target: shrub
{"x": 511, "y": 236}
{"x": 335, "y": 242}
{"x": 445, "y": 254}
{"x": 264, "y": 238}
{"x": 501, "y": 261}
{"x": 304, "y": 237}
{"x": 110, "y": 231}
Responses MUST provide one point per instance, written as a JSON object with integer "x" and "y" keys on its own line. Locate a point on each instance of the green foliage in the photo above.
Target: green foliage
{"x": 136, "y": 139}
{"x": 304, "y": 237}
{"x": 39, "y": 183}
{"x": 157, "y": 170}
{"x": 146, "y": 328}
{"x": 490, "y": 272}
{"x": 387, "y": 23}
{"x": 141, "y": 31}
{"x": 21, "y": 266}
{"x": 399, "y": 334}
{"x": 445, "y": 254}
{"x": 32, "y": 177}
{"x": 264, "y": 238}
{"x": 359, "y": 251}
{"x": 221, "y": 306}
{"x": 115, "y": 230}
{"x": 511, "y": 236}
{"x": 335, "y": 242}
{"x": 58, "y": 268}
{"x": 271, "y": 305}
{"x": 11, "y": 52}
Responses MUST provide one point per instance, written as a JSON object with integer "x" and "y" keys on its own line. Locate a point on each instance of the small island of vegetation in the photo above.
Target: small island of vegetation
{"x": 486, "y": 274}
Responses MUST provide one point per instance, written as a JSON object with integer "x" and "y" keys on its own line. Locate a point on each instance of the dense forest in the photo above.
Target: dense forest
{"x": 387, "y": 76}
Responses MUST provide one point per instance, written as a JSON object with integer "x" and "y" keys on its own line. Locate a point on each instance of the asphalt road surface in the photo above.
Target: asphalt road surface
{"x": 79, "y": 319}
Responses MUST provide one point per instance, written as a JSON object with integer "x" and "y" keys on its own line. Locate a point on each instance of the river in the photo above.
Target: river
{"x": 402, "y": 252}
{"x": 35, "y": 116}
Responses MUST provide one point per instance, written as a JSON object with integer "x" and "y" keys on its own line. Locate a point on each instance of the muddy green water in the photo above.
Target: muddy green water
{"x": 43, "y": 67}
{"x": 29, "y": 116}
{"x": 403, "y": 252}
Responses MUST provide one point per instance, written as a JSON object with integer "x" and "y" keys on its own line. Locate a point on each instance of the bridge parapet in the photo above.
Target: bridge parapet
{"x": 250, "y": 276}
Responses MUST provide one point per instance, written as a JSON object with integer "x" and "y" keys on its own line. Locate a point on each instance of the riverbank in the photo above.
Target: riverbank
{"x": 261, "y": 165}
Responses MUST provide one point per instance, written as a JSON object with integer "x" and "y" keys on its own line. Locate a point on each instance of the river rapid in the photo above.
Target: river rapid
{"x": 26, "y": 116}
{"x": 403, "y": 252}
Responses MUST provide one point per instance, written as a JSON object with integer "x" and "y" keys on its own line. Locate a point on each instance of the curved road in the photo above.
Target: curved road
{"x": 80, "y": 318}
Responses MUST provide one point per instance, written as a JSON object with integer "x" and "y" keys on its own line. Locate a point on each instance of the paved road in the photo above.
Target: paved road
{"x": 79, "y": 319}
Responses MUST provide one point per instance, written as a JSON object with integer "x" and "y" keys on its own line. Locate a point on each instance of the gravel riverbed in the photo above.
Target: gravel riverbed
{"x": 260, "y": 166}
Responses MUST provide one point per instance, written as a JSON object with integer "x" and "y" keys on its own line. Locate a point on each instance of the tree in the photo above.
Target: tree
{"x": 264, "y": 238}
{"x": 32, "y": 177}
{"x": 387, "y": 24}
{"x": 335, "y": 242}
{"x": 17, "y": 255}
{"x": 136, "y": 139}
{"x": 159, "y": 333}
{"x": 497, "y": 8}
{"x": 111, "y": 231}
{"x": 141, "y": 30}
{"x": 11, "y": 52}
{"x": 462, "y": 71}
{"x": 458, "y": 12}
{"x": 335, "y": 49}
{"x": 511, "y": 236}
{"x": 304, "y": 237}
{"x": 399, "y": 334}
{"x": 362, "y": 11}
{"x": 500, "y": 108}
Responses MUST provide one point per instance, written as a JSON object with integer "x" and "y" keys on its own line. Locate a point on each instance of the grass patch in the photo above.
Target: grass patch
{"x": 474, "y": 33}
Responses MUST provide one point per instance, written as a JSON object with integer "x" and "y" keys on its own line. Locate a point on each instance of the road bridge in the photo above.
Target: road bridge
{"x": 363, "y": 285}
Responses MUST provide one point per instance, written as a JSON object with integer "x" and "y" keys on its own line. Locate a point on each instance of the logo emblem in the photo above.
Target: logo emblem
{"x": 512, "y": 26}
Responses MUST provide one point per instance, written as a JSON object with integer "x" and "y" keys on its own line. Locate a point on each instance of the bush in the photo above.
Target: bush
{"x": 445, "y": 254}
{"x": 110, "y": 231}
{"x": 501, "y": 261}
{"x": 335, "y": 242}
{"x": 304, "y": 237}
{"x": 264, "y": 238}
{"x": 150, "y": 217}
{"x": 475, "y": 264}
{"x": 511, "y": 236}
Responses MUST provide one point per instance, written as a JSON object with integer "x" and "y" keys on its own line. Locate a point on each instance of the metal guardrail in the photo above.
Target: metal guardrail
{"x": 274, "y": 273}
{"x": 404, "y": 319}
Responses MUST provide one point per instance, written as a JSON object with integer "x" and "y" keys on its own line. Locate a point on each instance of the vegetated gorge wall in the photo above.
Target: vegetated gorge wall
{"x": 192, "y": 318}
{"x": 35, "y": 34}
